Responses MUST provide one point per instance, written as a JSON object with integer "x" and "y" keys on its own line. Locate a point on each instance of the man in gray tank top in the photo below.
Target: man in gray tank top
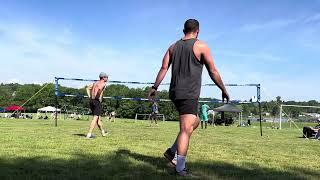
{"x": 187, "y": 57}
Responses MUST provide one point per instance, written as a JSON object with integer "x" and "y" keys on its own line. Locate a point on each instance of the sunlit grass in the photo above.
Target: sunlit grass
{"x": 35, "y": 149}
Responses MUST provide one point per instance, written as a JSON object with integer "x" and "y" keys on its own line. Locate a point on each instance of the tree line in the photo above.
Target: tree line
{"x": 18, "y": 94}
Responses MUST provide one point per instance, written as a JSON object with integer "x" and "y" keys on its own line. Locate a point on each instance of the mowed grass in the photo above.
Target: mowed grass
{"x": 35, "y": 149}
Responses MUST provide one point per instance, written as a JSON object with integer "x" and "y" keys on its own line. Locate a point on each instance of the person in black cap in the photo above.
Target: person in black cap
{"x": 95, "y": 94}
{"x": 187, "y": 57}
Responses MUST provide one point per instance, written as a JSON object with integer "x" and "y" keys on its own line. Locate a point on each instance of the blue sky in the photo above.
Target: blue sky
{"x": 275, "y": 43}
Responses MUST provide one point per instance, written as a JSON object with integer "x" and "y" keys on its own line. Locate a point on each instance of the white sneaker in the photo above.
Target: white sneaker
{"x": 90, "y": 136}
{"x": 104, "y": 134}
{"x": 185, "y": 173}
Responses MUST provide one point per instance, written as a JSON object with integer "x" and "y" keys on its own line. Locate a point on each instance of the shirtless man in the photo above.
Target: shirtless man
{"x": 95, "y": 93}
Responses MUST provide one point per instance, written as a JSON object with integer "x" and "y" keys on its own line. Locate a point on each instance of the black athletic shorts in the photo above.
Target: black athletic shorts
{"x": 186, "y": 106}
{"x": 154, "y": 115}
{"x": 96, "y": 107}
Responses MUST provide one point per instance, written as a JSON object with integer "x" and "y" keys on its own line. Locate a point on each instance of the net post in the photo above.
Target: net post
{"x": 280, "y": 119}
{"x": 259, "y": 101}
{"x": 56, "y": 99}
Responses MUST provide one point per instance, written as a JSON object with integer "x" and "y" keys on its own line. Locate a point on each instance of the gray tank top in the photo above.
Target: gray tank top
{"x": 186, "y": 71}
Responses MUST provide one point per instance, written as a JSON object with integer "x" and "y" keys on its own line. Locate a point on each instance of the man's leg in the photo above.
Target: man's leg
{"x": 100, "y": 125}
{"x": 174, "y": 146}
{"x": 92, "y": 125}
{"x": 151, "y": 119}
{"x": 201, "y": 124}
{"x": 206, "y": 124}
{"x": 188, "y": 123}
{"x": 196, "y": 123}
{"x": 171, "y": 153}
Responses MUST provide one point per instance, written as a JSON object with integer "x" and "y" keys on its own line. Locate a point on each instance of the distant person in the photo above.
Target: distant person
{"x": 52, "y": 115}
{"x": 39, "y": 116}
{"x": 318, "y": 135}
{"x": 204, "y": 115}
{"x": 95, "y": 94}
{"x": 112, "y": 116}
{"x": 154, "y": 113}
{"x": 78, "y": 117}
{"x": 187, "y": 57}
{"x": 73, "y": 115}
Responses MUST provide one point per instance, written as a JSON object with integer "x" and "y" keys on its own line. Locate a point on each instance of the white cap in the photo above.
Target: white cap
{"x": 103, "y": 75}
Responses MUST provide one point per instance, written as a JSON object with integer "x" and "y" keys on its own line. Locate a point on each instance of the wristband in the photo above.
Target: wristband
{"x": 155, "y": 88}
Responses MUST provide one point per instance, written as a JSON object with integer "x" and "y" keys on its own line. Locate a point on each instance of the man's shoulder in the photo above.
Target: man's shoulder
{"x": 171, "y": 47}
{"x": 201, "y": 47}
{"x": 200, "y": 43}
{"x": 100, "y": 84}
{"x": 103, "y": 83}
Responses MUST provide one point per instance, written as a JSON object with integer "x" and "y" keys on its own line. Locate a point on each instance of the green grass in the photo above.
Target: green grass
{"x": 35, "y": 149}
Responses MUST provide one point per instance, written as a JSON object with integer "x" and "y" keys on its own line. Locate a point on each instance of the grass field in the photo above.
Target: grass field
{"x": 34, "y": 149}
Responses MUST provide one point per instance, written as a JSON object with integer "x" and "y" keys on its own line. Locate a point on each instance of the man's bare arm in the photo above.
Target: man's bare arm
{"x": 101, "y": 95}
{"x": 162, "y": 72}
{"x": 89, "y": 88}
{"x": 212, "y": 70}
{"x": 164, "y": 68}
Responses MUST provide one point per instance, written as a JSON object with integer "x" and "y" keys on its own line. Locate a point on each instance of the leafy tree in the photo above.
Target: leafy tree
{"x": 19, "y": 94}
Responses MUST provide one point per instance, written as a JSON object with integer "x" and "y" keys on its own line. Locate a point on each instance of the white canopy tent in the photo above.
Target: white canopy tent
{"x": 49, "y": 109}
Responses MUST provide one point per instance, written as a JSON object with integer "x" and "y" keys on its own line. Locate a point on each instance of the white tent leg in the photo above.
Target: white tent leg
{"x": 280, "y": 116}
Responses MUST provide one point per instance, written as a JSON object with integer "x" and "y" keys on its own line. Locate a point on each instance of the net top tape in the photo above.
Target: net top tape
{"x": 146, "y": 83}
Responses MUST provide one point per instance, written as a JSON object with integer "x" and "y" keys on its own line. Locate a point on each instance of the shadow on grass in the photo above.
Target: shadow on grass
{"x": 309, "y": 138}
{"x": 124, "y": 164}
{"x": 80, "y": 135}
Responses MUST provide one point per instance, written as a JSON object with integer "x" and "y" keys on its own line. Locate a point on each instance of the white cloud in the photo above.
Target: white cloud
{"x": 13, "y": 80}
{"x": 253, "y": 56}
{"x": 289, "y": 87}
{"x": 37, "y": 82}
{"x": 33, "y": 54}
{"x": 212, "y": 35}
{"x": 308, "y": 37}
{"x": 273, "y": 24}
{"x": 313, "y": 18}
{"x": 279, "y": 23}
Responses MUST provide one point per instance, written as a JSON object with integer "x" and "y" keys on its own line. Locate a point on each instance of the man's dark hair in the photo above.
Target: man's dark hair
{"x": 191, "y": 25}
